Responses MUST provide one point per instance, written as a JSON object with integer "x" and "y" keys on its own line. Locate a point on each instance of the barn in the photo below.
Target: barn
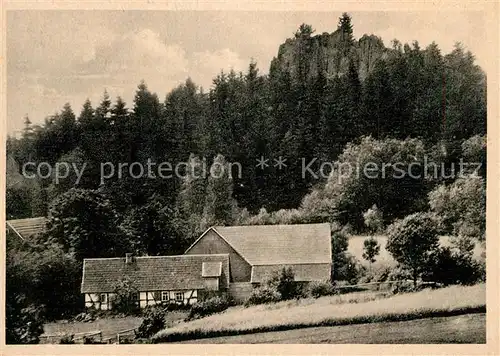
{"x": 256, "y": 251}
{"x": 180, "y": 279}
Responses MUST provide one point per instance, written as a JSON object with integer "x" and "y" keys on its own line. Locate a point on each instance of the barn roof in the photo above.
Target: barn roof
{"x": 27, "y": 228}
{"x": 280, "y": 244}
{"x": 150, "y": 273}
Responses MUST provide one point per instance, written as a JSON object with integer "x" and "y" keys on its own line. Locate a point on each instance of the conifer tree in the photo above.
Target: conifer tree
{"x": 345, "y": 27}
{"x": 220, "y": 206}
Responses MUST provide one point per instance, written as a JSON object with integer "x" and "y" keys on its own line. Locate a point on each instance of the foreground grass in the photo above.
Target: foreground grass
{"x": 461, "y": 329}
{"x": 327, "y": 311}
{"x": 109, "y": 326}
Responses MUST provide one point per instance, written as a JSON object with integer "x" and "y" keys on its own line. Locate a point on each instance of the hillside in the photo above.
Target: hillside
{"x": 330, "y": 311}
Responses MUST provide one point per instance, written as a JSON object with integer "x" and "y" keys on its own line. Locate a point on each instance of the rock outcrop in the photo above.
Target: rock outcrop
{"x": 328, "y": 53}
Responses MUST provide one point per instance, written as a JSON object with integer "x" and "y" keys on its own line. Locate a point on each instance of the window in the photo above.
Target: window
{"x": 103, "y": 298}
{"x": 179, "y": 296}
{"x": 164, "y": 296}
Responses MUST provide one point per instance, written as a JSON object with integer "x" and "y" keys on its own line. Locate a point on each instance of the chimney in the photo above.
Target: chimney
{"x": 128, "y": 258}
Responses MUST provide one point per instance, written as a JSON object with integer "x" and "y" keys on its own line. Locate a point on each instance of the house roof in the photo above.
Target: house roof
{"x": 151, "y": 273}
{"x": 211, "y": 269}
{"x": 280, "y": 244}
{"x": 27, "y": 228}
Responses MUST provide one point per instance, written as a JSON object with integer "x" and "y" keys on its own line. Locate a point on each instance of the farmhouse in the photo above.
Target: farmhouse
{"x": 231, "y": 260}
{"x": 157, "y": 279}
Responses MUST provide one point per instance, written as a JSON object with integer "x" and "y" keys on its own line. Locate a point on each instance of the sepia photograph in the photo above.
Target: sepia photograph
{"x": 245, "y": 177}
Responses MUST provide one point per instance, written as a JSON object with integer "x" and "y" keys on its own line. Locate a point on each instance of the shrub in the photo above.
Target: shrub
{"x": 91, "y": 340}
{"x": 399, "y": 273}
{"x": 24, "y": 324}
{"x": 263, "y": 295}
{"x": 404, "y": 287}
{"x": 403, "y": 280}
{"x": 378, "y": 273}
{"x": 210, "y": 306}
{"x": 154, "y": 321}
{"x": 284, "y": 283}
{"x": 449, "y": 266}
{"x": 125, "y": 297}
{"x": 67, "y": 339}
{"x": 318, "y": 289}
{"x": 177, "y": 306}
{"x": 349, "y": 269}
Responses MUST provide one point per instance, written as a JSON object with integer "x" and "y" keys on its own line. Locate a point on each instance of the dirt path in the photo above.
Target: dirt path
{"x": 469, "y": 328}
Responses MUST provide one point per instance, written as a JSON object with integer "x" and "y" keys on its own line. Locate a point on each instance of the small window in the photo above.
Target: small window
{"x": 103, "y": 298}
{"x": 179, "y": 296}
{"x": 164, "y": 296}
{"x": 134, "y": 296}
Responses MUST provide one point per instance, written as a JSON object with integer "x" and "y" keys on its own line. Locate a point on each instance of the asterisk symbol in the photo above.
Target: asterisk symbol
{"x": 262, "y": 162}
{"x": 280, "y": 162}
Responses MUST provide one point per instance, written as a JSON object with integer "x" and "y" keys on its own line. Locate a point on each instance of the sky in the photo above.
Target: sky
{"x": 55, "y": 57}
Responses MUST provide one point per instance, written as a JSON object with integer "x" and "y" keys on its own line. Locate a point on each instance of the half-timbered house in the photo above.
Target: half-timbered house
{"x": 158, "y": 279}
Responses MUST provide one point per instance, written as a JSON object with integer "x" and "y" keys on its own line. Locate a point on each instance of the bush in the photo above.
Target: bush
{"x": 125, "y": 297}
{"x": 24, "y": 324}
{"x": 319, "y": 289}
{"x": 210, "y": 306}
{"x": 404, "y": 287}
{"x": 376, "y": 274}
{"x": 67, "y": 339}
{"x": 349, "y": 269}
{"x": 399, "y": 274}
{"x": 263, "y": 295}
{"x": 284, "y": 283}
{"x": 91, "y": 340}
{"x": 449, "y": 266}
{"x": 154, "y": 321}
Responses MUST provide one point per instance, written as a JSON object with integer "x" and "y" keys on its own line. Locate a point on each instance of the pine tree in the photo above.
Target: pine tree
{"x": 376, "y": 108}
{"x": 86, "y": 115}
{"x": 103, "y": 110}
{"x": 220, "y": 206}
{"x": 304, "y": 31}
{"x": 28, "y": 128}
{"x": 346, "y": 29}
{"x": 68, "y": 129}
{"x": 192, "y": 192}
{"x": 193, "y": 187}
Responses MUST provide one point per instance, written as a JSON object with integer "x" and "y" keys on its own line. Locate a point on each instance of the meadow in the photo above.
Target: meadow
{"x": 332, "y": 311}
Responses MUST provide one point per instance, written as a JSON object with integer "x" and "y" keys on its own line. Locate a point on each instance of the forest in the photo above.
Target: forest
{"x": 411, "y": 105}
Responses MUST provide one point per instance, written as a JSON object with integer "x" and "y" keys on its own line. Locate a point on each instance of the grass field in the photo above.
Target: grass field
{"x": 331, "y": 311}
{"x": 462, "y": 329}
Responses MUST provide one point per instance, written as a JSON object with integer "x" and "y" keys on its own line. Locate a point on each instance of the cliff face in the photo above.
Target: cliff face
{"x": 330, "y": 54}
